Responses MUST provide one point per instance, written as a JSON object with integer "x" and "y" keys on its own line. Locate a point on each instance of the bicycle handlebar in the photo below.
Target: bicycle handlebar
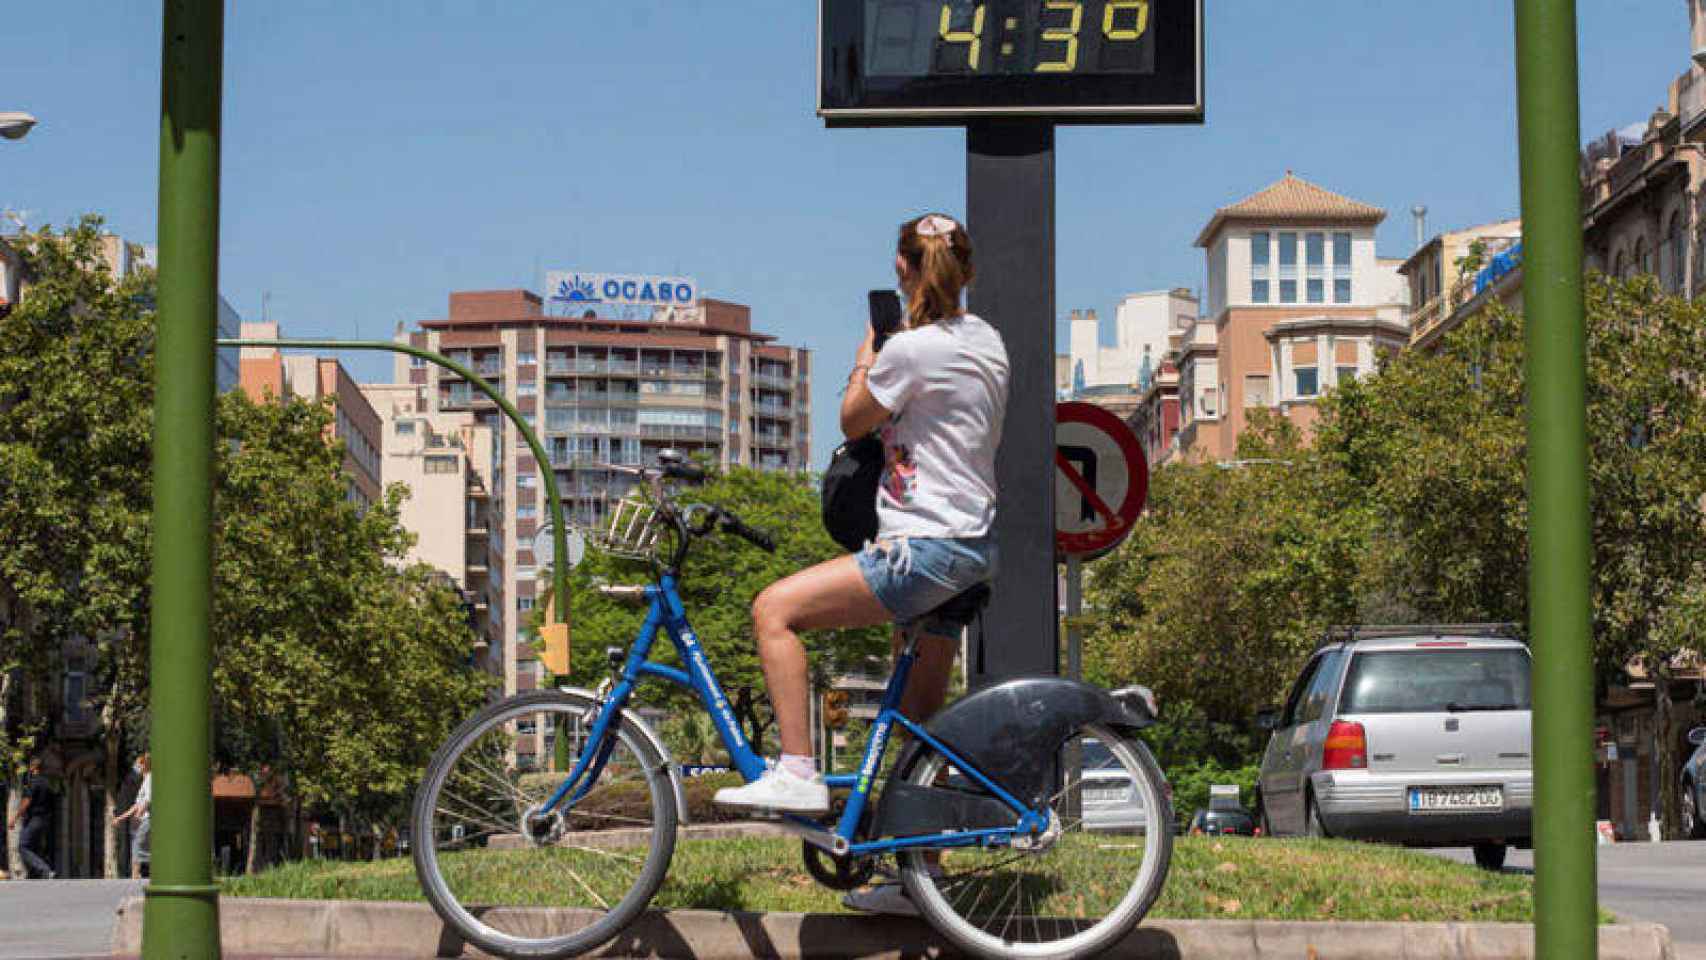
{"x": 733, "y": 524}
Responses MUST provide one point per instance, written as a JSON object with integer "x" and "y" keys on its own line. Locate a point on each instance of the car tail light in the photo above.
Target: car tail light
{"x": 1346, "y": 747}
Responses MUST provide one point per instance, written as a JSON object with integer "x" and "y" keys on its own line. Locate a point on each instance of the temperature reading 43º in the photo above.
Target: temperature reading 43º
{"x": 1028, "y": 36}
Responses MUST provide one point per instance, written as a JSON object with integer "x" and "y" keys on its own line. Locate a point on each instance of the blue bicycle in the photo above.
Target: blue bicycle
{"x": 1025, "y": 820}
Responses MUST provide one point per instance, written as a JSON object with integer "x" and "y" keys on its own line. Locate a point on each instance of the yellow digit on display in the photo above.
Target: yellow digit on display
{"x": 974, "y": 36}
{"x": 1136, "y": 30}
{"x": 1067, "y": 35}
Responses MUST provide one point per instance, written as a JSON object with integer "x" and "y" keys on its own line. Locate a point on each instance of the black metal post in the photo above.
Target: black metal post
{"x": 1010, "y": 213}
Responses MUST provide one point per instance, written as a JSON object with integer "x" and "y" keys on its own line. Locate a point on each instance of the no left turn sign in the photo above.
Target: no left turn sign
{"x": 1100, "y": 479}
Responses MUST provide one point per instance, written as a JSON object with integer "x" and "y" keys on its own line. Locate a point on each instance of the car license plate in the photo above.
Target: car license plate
{"x": 1455, "y": 799}
{"x": 1105, "y": 794}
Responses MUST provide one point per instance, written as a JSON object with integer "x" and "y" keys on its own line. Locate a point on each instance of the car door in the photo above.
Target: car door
{"x": 1280, "y": 764}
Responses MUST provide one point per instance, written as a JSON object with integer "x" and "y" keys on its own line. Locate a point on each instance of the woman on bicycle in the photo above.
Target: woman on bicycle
{"x": 938, "y": 393}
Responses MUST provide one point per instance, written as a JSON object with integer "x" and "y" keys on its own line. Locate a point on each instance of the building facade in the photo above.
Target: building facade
{"x": 602, "y": 394}
{"x": 266, "y": 374}
{"x": 1299, "y": 300}
{"x": 1142, "y": 324}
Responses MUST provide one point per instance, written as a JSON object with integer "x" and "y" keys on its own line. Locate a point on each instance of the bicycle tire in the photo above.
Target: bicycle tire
{"x": 477, "y": 928}
{"x": 1079, "y": 940}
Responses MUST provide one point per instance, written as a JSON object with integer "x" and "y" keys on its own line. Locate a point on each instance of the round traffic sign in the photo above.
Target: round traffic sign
{"x": 1100, "y": 479}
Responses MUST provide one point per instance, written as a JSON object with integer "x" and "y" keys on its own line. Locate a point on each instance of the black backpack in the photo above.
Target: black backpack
{"x": 850, "y": 492}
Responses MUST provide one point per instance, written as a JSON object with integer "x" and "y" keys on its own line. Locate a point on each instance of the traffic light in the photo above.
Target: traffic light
{"x": 554, "y": 642}
{"x": 835, "y": 708}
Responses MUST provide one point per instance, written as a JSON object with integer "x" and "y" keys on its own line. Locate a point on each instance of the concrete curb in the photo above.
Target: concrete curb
{"x": 358, "y": 928}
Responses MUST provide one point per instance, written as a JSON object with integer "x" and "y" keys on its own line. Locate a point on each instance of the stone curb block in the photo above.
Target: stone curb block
{"x": 354, "y": 928}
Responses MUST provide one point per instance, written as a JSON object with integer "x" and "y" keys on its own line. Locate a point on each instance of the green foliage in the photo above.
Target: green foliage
{"x": 332, "y": 667}
{"x": 1191, "y": 783}
{"x": 1410, "y": 505}
{"x": 721, "y": 578}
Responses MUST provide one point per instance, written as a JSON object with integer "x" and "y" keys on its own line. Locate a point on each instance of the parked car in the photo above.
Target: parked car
{"x": 1694, "y": 787}
{"x": 1417, "y": 735}
{"x": 1223, "y": 823}
{"x": 1110, "y": 801}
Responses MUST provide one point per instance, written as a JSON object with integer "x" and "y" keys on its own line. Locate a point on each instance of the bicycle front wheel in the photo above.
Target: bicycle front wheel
{"x": 1076, "y": 890}
{"x": 516, "y": 880}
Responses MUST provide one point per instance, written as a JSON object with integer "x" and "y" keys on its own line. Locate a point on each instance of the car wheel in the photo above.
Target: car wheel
{"x": 1692, "y": 825}
{"x": 1490, "y": 856}
{"x": 1312, "y": 819}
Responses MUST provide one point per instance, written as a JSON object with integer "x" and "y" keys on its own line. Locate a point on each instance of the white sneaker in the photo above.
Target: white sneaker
{"x": 889, "y": 899}
{"x": 780, "y": 791}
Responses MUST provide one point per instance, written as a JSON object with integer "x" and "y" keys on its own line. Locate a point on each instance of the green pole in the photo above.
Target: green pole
{"x": 181, "y": 918}
{"x": 1548, "y": 122}
{"x": 559, "y": 533}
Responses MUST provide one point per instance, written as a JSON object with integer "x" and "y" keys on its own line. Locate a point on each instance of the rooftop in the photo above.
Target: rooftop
{"x": 1288, "y": 200}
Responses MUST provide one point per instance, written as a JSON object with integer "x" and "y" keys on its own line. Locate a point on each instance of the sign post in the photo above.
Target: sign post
{"x": 1009, "y": 71}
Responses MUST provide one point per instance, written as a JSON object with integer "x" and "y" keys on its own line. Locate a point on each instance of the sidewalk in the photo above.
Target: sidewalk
{"x": 334, "y": 928}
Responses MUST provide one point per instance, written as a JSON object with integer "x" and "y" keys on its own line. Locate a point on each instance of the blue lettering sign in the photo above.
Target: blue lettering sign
{"x": 612, "y": 290}
{"x": 683, "y": 293}
{"x": 646, "y": 292}
{"x": 629, "y": 289}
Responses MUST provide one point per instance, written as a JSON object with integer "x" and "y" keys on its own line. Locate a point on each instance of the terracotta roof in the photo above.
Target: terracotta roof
{"x": 1290, "y": 199}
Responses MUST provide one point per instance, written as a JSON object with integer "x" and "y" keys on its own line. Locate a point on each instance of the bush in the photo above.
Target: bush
{"x": 1191, "y": 784}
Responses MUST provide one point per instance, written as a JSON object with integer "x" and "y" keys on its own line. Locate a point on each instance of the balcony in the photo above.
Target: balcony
{"x": 772, "y": 381}
{"x": 772, "y": 438}
{"x": 681, "y": 371}
{"x": 771, "y": 408}
{"x": 667, "y": 431}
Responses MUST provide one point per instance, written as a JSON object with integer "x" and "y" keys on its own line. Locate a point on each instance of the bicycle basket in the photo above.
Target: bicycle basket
{"x": 633, "y": 530}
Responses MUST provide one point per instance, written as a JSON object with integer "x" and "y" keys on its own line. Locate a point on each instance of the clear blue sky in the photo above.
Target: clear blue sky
{"x": 383, "y": 153}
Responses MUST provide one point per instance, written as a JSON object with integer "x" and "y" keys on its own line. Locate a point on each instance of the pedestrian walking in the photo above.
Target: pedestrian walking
{"x": 36, "y": 812}
{"x": 139, "y": 812}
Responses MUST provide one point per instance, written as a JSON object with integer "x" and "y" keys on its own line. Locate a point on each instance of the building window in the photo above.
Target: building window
{"x": 526, "y": 388}
{"x": 523, "y": 604}
{"x": 1315, "y": 266}
{"x": 1341, "y": 268}
{"x": 1643, "y": 257}
{"x": 526, "y": 511}
{"x": 1678, "y": 246}
{"x": 1308, "y": 381}
{"x": 1259, "y": 258}
{"x": 1345, "y": 374}
{"x": 439, "y": 464}
{"x": 1288, "y": 291}
{"x": 1256, "y": 390}
{"x": 1288, "y": 267}
{"x": 405, "y": 428}
{"x": 417, "y": 362}
{"x": 525, "y": 481}
{"x": 1207, "y": 401}
{"x": 526, "y": 358}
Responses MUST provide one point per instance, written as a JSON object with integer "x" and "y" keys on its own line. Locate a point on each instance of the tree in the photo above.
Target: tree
{"x": 722, "y": 577}
{"x": 76, "y": 399}
{"x": 334, "y": 671}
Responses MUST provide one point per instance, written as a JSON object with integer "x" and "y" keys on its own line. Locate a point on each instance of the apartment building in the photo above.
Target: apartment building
{"x": 1299, "y": 301}
{"x": 603, "y": 393}
{"x": 265, "y": 373}
{"x": 1438, "y": 283}
{"x": 445, "y": 462}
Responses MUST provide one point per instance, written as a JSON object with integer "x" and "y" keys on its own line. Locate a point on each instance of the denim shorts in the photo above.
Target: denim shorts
{"x": 912, "y": 576}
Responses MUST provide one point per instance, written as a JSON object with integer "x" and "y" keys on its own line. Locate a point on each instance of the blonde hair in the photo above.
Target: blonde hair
{"x": 938, "y": 268}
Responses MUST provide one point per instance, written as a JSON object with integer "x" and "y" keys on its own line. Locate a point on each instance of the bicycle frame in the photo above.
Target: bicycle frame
{"x": 666, "y": 613}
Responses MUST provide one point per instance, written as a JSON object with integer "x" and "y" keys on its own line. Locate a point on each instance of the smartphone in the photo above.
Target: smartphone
{"x": 885, "y": 314}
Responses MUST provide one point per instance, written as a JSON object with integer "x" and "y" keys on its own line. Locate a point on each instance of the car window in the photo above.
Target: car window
{"x": 1292, "y": 702}
{"x": 1315, "y": 699}
{"x": 1437, "y": 681}
{"x": 1097, "y": 756}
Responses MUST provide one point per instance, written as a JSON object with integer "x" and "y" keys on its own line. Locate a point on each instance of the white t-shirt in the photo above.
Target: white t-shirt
{"x": 145, "y": 793}
{"x": 945, "y": 385}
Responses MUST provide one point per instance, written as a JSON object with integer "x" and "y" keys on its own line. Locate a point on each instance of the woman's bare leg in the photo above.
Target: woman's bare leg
{"x": 927, "y": 685}
{"x": 831, "y": 594}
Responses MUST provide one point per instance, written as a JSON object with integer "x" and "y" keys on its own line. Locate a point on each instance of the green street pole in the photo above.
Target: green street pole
{"x": 559, "y": 532}
{"x": 181, "y": 916}
{"x": 1548, "y": 123}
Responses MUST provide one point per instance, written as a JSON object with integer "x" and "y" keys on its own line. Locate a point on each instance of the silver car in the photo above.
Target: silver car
{"x": 1410, "y": 735}
{"x": 1694, "y": 787}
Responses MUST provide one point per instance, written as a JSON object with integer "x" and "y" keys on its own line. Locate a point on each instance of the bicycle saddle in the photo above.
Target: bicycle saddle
{"x": 962, "y": 608}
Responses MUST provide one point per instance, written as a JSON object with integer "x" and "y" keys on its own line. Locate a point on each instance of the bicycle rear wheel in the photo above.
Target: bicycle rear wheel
{"x": 1075, "y": 891}
{"x": 517, "y": 882}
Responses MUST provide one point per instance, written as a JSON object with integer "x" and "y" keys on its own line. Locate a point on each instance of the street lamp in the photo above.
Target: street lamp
{"x": 13, "y": 125}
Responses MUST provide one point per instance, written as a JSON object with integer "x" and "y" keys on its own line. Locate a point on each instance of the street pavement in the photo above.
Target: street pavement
{"x": 60, "y": 918}
{"x": 1657, "y": 882}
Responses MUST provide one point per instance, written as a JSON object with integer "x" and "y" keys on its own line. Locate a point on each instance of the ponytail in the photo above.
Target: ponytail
{"x": 937, "y": 253}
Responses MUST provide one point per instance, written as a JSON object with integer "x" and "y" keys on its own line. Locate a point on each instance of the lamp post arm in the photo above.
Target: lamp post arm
{"x": 559, "y": 532}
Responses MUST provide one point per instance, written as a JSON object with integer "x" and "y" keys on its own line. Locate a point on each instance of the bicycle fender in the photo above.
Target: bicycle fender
{"x": 656, "y": 743}
{"x": 1009, "y": 730}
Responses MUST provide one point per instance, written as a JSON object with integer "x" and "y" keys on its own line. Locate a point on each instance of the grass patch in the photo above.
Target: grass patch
{"x": 1223, "y": 878}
